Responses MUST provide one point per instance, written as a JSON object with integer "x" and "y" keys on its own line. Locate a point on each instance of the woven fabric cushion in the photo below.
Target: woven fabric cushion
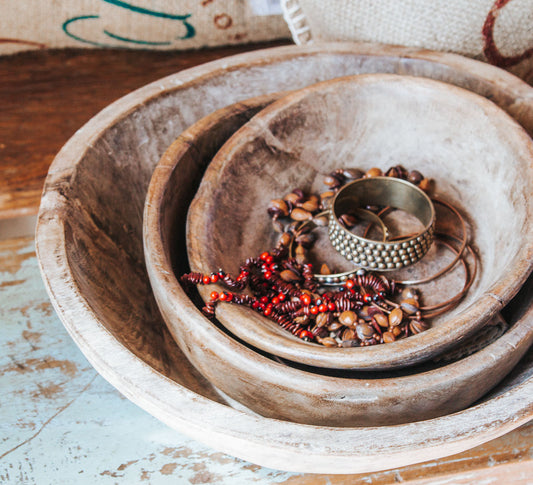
{"x": 497, "y": 31}
{"x": 147, "y": 24}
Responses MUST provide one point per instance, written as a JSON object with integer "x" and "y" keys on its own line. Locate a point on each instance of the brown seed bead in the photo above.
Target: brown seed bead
{"x": 364, "y": 331}
{"x": 392, "y": 172}
{"x": 348, "y": 318}
{"x": 409, "y": 292}
{"x": 300, "y": 250}
{"x": 321, "y": 221}
{"x": 410, "y": 306}
{"x": 280, "y": 206}
{"x": 324, "y": 269}
{"x": 331, "y": 181}
{"x": 396, "y": 331}
{"x": 301, "y": 320}
{"x": 373, "y": 172}
{"x": 288, "y": 275}
{"x": 312, "y": 204}
{"x": 388, "y": 337}
{"x": 353, "y": 173}
{"x": 418, "y": 326}
{"x": 381, "y": 320}
{"x": 415, "y": 177}
{"x": 323, "y": 319}
{"x": 334, "y": 326}
{"x": 348, "y": 334}
{"x": 424, "y": 184}
{"x": 328, "y": 342}
{"x": 348, "y": 220}
{"x": 284, "y": 239}
{"x": 301, "y": 258}
{"x": 292, "y": 198}
{"x": 300, "y": 215}
{"x": 363, "y": 312}
{"x": 350, "y": 343}
{"x": 395, "y": 317}
{"x": 327, "y": 194}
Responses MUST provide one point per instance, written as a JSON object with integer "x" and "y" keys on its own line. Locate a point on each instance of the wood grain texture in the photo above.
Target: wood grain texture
{"x": 47, "y": 95}
{"x": 362, "y": 122}
{"x": 63, "y": 423}
{"x": 258, "y": 381}
{"x": 98, "y": 182}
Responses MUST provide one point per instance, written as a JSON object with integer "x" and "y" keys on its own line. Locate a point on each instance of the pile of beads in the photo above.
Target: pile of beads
{"x": 281, "y": 285}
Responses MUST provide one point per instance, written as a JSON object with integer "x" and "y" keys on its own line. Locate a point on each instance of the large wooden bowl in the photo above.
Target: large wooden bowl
{"x": 266, "y": 386}
{"x": 90, "y": 251}
{"x": 480, "y": 159}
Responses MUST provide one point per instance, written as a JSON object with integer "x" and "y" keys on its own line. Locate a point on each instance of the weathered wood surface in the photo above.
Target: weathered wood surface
{"x": 45, "y": 96}
{"x": 90, "y": 248}
{"x": 61, "y": 422}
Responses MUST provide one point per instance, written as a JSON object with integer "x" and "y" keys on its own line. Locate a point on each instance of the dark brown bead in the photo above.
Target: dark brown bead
{"x": 332, "y": 181}
{"x": 326, "y": 195}
{"x": 328, "y": 342}
{"x": 415, "y": 177}
{"x": 364, "y": 331}
{"x": 364, "y": 312}
{"x": 311, "y": 204}
{"x": 321, "y": 221}
{"x": 425, "y": 184}
{"x": 381, "y": 320}
{"x": 353, "y": 173}
{"x": 374, "y": 172}
{"x": 324, "y": 269}
{"x": 388, "y": 337}
{"x": 324, "y": 319}
{"x": 288, "y": 275}
{"x": 418, "y": 326}
{"x": 284, "y": 239}
{"x": 301, "y": 320}
{"x": 348, "y": 318}
{"x": 348, "y": 220}
{"x": 348, "y": 334}
{"x": 409, "y": 292}
{"x": 334, "y": 326}
{"x": 300, "y": 215}
{"x": 410, "y": 306}
{"x": 279, "y": 206}
{"x": 395, "y": 317}
{"x": 350, "y": 343}
{"x": 392, "y": 172}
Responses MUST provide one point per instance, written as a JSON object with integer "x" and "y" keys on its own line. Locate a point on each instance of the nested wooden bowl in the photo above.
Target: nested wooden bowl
{"x": 255, "y": 380}
{"x": 90, "y": 251}
{"x": 480, "y": 159}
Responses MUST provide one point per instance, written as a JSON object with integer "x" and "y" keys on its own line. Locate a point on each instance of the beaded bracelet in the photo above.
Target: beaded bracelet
{"x": 360, "y": 311}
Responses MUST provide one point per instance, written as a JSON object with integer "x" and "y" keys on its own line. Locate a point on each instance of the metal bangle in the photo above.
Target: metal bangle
{"x": 339, "y": 278}
{"x": 382, "y": 191}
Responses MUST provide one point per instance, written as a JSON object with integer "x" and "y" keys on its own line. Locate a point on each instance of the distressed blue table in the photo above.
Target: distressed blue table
{"x": 63, "y": 423}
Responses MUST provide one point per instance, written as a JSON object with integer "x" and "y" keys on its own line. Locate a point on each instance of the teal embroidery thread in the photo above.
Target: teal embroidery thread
{"x": 189, "y": 33}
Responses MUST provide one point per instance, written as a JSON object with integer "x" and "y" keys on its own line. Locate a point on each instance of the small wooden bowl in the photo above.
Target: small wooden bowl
{"x": 255, "y": 380}
{"x": 90, "y": 250}
{"x": 480, "y": 159}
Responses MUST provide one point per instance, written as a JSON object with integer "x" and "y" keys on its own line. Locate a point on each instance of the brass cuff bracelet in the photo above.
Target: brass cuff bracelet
{"x": 383, "y": 192}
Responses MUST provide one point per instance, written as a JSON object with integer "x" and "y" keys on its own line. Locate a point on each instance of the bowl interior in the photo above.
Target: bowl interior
{"x": 479, "y": 158}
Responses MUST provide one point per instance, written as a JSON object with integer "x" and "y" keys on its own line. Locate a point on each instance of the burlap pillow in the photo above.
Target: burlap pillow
{"x": 496, "y": 31}
{"x": 145, "y": 24}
